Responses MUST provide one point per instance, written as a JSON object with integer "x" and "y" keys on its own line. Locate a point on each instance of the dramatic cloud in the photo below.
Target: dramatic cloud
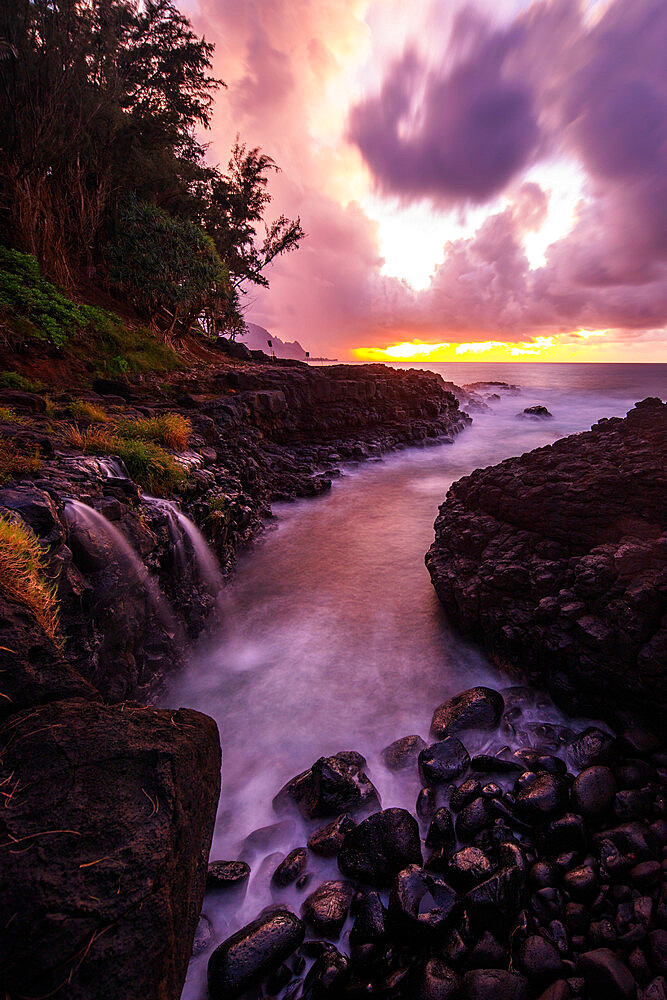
{"x": 462, "y": 134}
{"x": 497, "y": 113}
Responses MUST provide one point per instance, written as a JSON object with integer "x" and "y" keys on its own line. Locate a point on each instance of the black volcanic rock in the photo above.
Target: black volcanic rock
{"x": 477, "y": 708}
{"x": 109, "y": 865}
{"x": 556, "y": 561}
{"x": 332, "y": 785}
{"x": 253, "y": 953}
{"x": 380, "y": 847}
{"x": 537, "y": 412}
{"x": 443, "y": 761}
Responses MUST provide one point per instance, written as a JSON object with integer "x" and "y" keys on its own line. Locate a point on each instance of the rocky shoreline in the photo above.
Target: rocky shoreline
{"x": 532, "y": 866}
{"x": 108, "y": 863}
{"x": 556, "y": 563}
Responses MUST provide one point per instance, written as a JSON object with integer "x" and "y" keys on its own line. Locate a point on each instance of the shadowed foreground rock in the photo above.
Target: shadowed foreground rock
{"x": 104, "y": 842}
{"x": 556, "y": 561}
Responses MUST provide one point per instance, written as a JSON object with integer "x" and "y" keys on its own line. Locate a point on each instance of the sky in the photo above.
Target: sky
{"x": 478, "y": 179}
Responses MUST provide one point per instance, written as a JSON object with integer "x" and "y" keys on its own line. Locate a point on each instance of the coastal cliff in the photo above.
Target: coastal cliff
{"x": 105, "y": 835}
{"x": 555, "y": 562}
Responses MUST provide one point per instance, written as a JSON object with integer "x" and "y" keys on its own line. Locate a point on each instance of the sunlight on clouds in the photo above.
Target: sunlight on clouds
{"x": 562, "y": 347}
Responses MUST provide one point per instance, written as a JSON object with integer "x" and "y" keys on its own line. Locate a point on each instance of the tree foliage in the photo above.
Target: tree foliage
{"x": 101, "y": 107}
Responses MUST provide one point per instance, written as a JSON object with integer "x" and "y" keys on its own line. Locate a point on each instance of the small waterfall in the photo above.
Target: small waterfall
{"x": 190, "y": 544}
{"x": 112, "y": 468}
{"x": 128, "y": 562}
{"x": 105, "y": 468}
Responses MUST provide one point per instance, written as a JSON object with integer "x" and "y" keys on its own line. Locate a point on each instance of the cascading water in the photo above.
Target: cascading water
{"x": 86, "y": 518}
{"x": 333, "y": 638}
{"x": 189, "y": 544}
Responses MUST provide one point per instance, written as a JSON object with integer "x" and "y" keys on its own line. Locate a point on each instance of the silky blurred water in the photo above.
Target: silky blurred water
{"x": 333, "y": 637}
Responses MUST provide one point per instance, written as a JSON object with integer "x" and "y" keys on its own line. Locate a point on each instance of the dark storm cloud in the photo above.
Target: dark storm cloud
{"x": 461, "y": 133}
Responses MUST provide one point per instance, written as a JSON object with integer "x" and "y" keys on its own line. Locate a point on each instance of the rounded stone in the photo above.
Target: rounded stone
{"x": 476, "y": 708}
{"x": 443, "y": 761}
{"x": 227, "y": 874}
{"x": 593, "y": 791}
{"x": 380, "y": 847}
{"x": 253, "y": 953}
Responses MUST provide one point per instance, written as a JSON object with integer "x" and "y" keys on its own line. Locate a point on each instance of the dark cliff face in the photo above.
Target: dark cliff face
{"x": 556, "y": 563}
{"x": 261, "y": 433}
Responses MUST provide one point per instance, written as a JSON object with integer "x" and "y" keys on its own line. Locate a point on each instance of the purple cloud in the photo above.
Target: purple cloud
{"x": 461, "y": 133}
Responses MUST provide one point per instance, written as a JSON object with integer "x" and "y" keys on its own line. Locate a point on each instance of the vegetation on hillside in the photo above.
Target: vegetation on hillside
{"x": 104, "y": 179}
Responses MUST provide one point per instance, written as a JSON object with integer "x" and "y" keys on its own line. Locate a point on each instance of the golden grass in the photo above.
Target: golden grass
{"x": 147, "y": 462}
{"x": 79, "y": 409}
{"x": 90, "y": 440}
{"x": 9, "y": 416}
{"x": 23, "y": 575}
{"x": 170, "y": 429}
{"x": 16, "y": 461}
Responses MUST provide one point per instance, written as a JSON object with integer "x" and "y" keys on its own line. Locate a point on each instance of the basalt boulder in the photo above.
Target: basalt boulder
{"x": 333, "y": 785}
{"x": 477, "y": 708}
{"x": 379, "y": 848}
{"x": 106, "y": 865}
{"x": 253, "y": 953}
{"x": 556, "y": 562}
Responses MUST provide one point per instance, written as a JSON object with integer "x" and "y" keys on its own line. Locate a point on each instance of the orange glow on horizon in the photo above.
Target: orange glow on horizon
{"x": 579, "y": 345}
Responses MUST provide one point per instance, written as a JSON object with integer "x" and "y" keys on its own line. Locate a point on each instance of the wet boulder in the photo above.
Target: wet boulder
{"x": 437, "y": 981}
{"x": 545, "y": 797}
{"x": 290, "y": 868}
{"x": 474, "y": 818}
{"x": 494, "y": 984}
{"x": 420, "y": 901}
{"x": 540, "y": 960}
{"x": 331, "y": 786}
{"x": 593, "y": 791}
{"x": 443, "y": 761}
{"x": 227, "y": 874}
{"x": 537, "y": 412}
{"x": 253, "y": 953}
{"x": 477, "y": 708}
{"x": 468, "y": 868}
{"x": 441, "y": 830}
{"x": 369, "y": 919}
{"x": 498, "y": 898}
{"x": 403, "y": 753}
{"x": 327, "y": 976}
{"x": 593, "y": 746}
{"x": 328, "y": 840}
{"x": 379, "y": 848}
{"x": 326, "y": 909}
{"x": 606, "y": 975}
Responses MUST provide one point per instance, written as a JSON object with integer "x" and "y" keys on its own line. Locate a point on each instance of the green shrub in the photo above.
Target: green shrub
{"x": 33, "y": 306}
{"x": 149, "y": 465}
{"x": 12, "y": 380}
{"x": 159, "y": 261}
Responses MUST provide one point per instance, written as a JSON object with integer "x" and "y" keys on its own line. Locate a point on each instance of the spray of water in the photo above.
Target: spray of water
{"x": 190, "y": 544}
{"x": 129, "y": 565}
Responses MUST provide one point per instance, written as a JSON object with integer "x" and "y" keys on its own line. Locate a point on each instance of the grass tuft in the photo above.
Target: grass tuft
{"x": 23, "y": 575}
{"x": 150, "y": 465}
{"x": 12, "y": 380}
{"x": 147, "y": 462}
{"x": 79, "y": 409}
{"x": 16, "y": 461}
{"x": 170, "y": 429}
